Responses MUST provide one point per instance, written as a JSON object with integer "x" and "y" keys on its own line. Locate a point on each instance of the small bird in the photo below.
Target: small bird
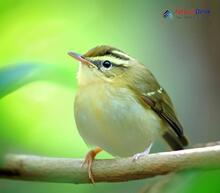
{"x": 120, "y": 107}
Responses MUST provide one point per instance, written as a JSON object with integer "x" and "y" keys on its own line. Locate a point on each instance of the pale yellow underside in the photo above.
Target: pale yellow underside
{"x": 114, "y": 120}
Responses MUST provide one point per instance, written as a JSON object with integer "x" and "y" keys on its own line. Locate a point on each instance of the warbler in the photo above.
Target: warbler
{"x": 120, "y": 107}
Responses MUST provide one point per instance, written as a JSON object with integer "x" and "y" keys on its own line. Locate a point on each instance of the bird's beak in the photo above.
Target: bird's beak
{"x": 79, "y": 58}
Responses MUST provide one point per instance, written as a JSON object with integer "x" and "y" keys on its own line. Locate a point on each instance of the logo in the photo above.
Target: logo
{"x": 167, "y": 14}
{"x": 186, "y": 13}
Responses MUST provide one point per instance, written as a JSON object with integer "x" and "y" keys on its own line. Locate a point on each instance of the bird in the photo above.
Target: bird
{"x": 120, "y": 107}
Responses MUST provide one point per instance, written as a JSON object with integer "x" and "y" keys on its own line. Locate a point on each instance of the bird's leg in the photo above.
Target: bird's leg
{"x": 145, "y": 152}
{"x": 90, "y": 156}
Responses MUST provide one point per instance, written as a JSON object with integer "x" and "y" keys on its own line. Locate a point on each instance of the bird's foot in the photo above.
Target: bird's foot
{"x": 90, "y": 156}
{"x": 142, "y": 154}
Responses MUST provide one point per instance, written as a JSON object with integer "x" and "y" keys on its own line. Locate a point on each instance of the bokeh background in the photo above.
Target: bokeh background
{"x": 38, "y": 78}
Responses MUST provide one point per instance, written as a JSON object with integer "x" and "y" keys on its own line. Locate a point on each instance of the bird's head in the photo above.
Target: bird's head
{"x": 106, "y": 64}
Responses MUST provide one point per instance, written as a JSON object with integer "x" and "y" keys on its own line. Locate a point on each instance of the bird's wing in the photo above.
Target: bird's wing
{"x": 156, "y": 97}
{"x": 160, "y": 102}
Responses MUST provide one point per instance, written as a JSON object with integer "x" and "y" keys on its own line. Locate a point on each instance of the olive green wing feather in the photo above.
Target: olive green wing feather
{"x": 160, "y": 102}
{"x": 151, "y": 94}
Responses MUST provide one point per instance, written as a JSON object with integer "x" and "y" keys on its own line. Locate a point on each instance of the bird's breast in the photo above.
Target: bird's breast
{"x": 113, "y": 119}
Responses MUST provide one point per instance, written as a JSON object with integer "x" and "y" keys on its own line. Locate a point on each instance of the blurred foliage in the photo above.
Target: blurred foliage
{"x": 37, "y": 78}
{"x": 13, "y": 77}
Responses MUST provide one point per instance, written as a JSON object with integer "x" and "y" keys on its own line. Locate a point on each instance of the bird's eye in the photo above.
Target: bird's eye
{"x": 107, "y": 64}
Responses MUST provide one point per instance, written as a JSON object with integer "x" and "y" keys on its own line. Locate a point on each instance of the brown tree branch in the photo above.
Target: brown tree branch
{"x": 66, "y": 170}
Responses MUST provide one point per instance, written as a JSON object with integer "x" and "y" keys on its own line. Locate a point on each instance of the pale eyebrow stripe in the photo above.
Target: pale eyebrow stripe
{"x": 120, "y": 55}
{"x": 117, "y": 61}
{"x": 115, "y": 53}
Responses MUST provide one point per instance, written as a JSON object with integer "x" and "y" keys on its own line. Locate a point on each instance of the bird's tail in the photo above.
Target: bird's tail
{"x": 175, "y": 142}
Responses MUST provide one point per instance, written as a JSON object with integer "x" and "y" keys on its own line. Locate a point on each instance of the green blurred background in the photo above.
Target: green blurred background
{"x": 38, "y": 78}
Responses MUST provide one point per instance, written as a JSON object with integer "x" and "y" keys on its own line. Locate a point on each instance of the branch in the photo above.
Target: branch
{"x": 67, "y": 170}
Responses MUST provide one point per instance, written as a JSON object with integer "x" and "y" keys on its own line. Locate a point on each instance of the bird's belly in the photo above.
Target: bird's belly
{"x": 116, "y": 122}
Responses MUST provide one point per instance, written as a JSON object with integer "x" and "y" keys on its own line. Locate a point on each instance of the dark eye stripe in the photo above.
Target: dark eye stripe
{"x": 98, "y": 63}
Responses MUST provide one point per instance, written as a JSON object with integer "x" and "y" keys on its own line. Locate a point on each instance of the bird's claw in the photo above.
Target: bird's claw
{"x": 88, "y": 161}
{"x": 142, "y": 154}
{"x": 138, "y": 156}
